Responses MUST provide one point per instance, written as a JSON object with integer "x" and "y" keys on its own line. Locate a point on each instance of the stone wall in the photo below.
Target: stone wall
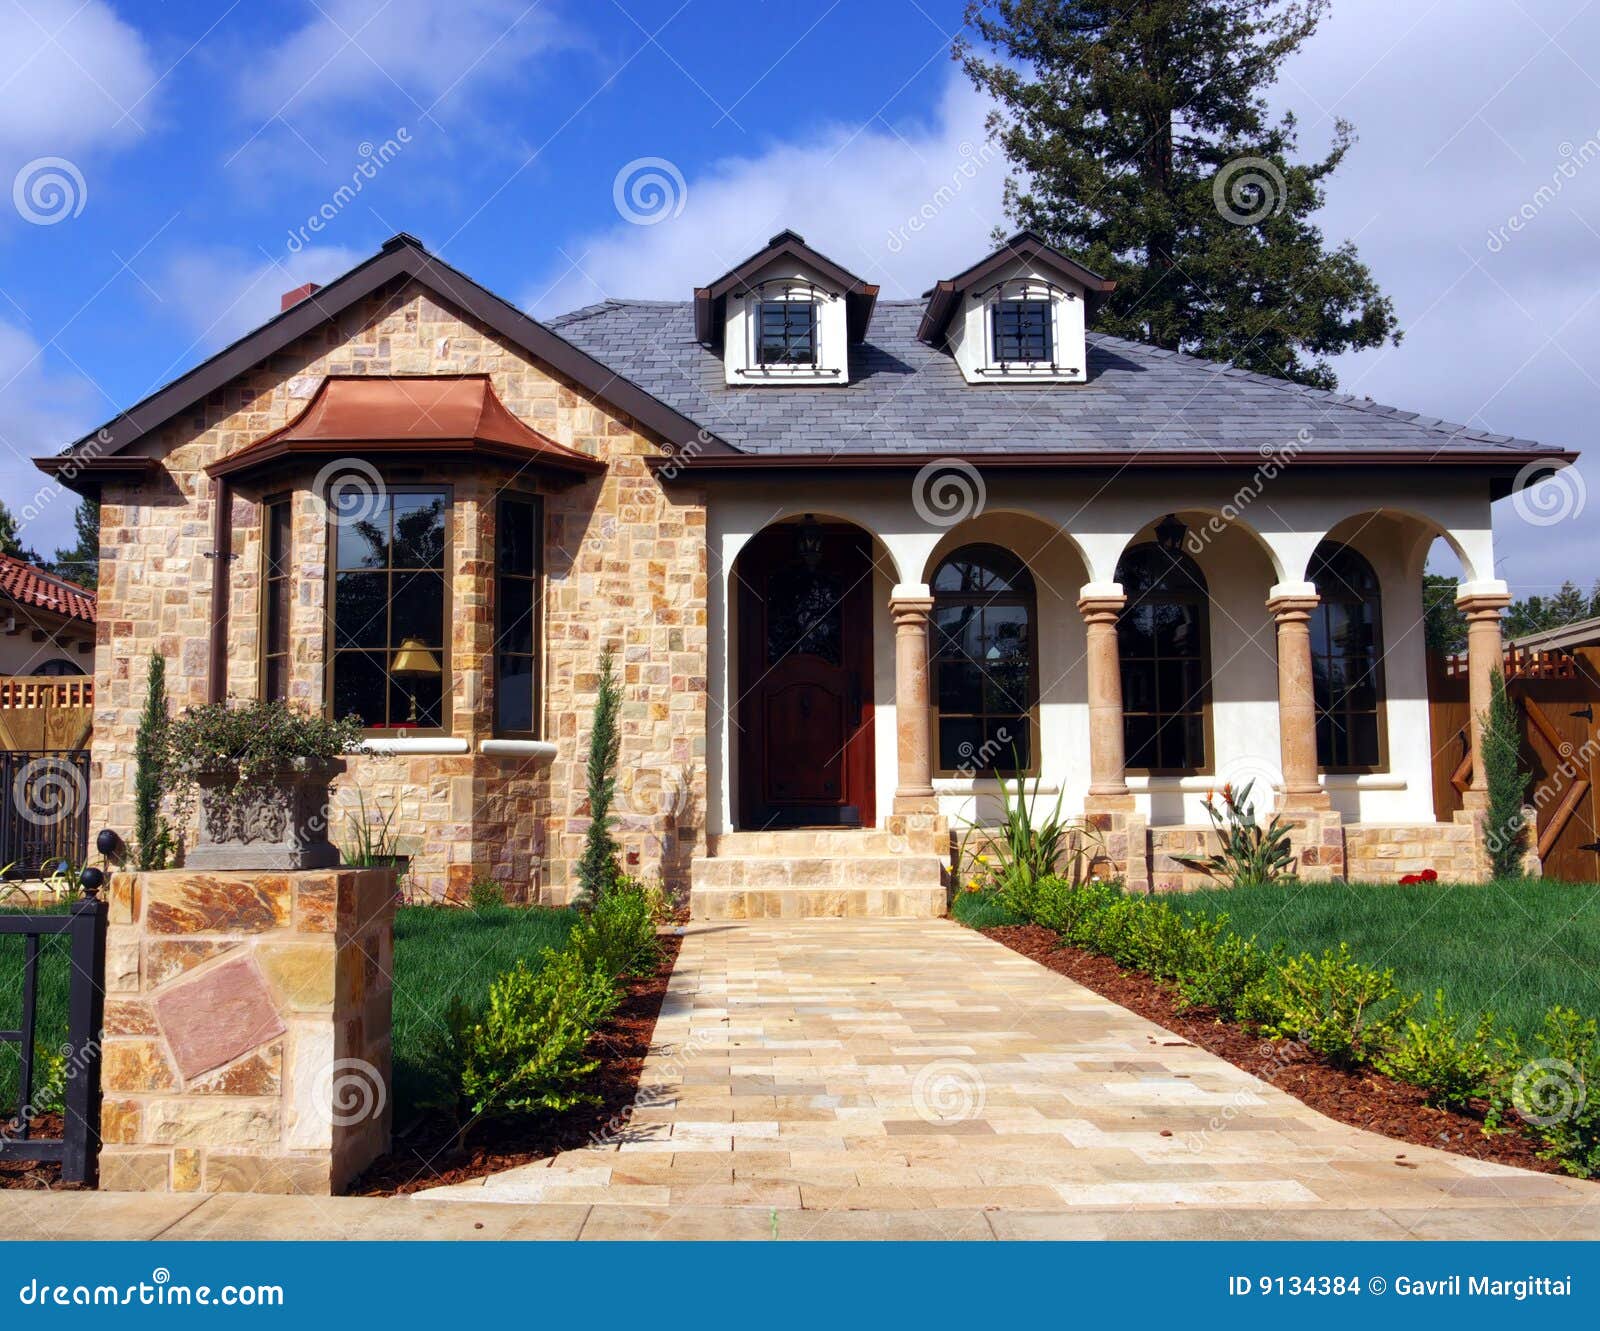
{"x": 625, "y": 565}
{"x": 247, "y": 1030}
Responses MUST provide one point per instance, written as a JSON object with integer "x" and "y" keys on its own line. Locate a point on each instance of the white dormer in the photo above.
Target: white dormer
{"x": 786, "y": 316}
{"x": 1018, "y": 317}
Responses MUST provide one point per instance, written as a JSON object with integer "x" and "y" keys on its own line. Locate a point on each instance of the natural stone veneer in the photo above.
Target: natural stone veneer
{"x": 625, "y": 566}
{"x": 246, "y": 1030}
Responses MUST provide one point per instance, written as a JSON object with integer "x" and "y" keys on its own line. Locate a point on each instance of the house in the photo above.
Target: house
{"x": 858, "y": 558}
{"x": 46, "y": 622}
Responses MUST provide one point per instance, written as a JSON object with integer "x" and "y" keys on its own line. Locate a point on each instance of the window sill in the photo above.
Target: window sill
{"x": 990, "y": 785}
{"x": 415, "y": 744}
{"x": 539, "y": 749}
{"x": 1362, "y": 781}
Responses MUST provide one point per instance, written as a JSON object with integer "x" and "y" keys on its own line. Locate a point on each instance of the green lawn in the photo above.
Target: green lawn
{"x": 440, "y": 953}
{"x": 981, "y": 910}
{"x": 51, "y": 1025}
{"x": 1512, "y": 948}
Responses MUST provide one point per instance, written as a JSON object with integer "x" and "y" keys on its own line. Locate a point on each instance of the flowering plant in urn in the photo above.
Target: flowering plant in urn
{"x": 261, "y": 771}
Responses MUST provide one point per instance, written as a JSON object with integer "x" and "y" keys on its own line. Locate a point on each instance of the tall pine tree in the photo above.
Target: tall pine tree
{"x": 1128, "y": 127}
{"x": 11, "y": 537}
{"x": 81, "y": 563}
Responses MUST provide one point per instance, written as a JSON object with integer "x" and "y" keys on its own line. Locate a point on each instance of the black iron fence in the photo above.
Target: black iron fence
{"x": 75, "y": 1078}
{"x": 44, "y": 809}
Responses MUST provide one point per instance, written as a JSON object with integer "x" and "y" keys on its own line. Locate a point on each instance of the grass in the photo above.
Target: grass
{"x": 441, "y": 953}
{"x": 982, "y": 910}
{"x": 1513, "y": 948}
{"x": 50, "y": 1026}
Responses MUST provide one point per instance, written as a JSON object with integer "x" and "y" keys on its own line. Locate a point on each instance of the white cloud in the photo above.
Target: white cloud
{"x": 900, "y": 206}
{"x": 72, "y": 76}
{"x": 41, "y": 411}
{"x": 220, "y": 294}
{"x": 352, "y": 51}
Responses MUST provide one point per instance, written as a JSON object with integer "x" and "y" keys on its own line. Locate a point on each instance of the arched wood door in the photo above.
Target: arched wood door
{"x": 805, "y": 679}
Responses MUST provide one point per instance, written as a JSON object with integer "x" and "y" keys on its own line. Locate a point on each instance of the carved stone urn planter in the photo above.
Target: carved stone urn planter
{"x": 279, "y": 823}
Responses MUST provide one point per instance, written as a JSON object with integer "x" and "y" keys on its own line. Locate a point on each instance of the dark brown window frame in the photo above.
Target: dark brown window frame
{"x": 1030, "y": 602}
{"x": 1380, "y": 709}
{"x": 268, "y": 578}
{"x": 537, "y": 655}
{"x": 1207, "y": 737}
{"x": 447, "y": 679}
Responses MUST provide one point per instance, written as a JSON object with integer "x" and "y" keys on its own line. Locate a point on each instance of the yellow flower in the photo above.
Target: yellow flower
{"x": 983, "y": 859}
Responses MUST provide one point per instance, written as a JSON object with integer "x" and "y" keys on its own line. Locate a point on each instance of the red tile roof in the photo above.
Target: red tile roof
{"x": 32, "y": 586}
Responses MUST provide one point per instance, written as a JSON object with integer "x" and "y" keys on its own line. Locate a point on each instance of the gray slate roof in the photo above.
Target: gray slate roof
{"x": 906, "y": 397}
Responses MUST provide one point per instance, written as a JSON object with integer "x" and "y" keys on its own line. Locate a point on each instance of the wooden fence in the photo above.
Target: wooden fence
{"x": 1556, "y": 694}
{"x": 46, "y": 712}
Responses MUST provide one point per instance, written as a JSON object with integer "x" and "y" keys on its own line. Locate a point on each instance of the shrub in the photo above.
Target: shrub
{"x": 1441, "y": 1056}
{"x": 1023, "y": 850}
{"x": 1250, "y": 853}
{"x": 1070, "y": 909}
{"x": 1507, "y": 782}
{"x": 597, "y": 866}
{"x": 619, "y": 934}
{"x": 486, "y": 894}
{"x": 1333, "y": 1004}
{"x": 252, "y": 742}
{"x": 526, "y": 1050}
{"x": 1557, "y": 1092}
{"x": 152, "y": 834}
{"x": 1218, "y": 967}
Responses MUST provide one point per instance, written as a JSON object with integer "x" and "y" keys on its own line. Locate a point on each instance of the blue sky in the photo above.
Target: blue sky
{"x": 501, "y": 132}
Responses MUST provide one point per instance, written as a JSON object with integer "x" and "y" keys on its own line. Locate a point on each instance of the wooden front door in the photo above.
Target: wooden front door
{"x": 805, "y": 680}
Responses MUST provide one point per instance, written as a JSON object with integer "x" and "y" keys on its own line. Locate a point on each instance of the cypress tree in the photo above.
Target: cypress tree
{"x": 1507, "y": 781}
{"x": 598, "y": 867}
{"x": 151, "y": 833}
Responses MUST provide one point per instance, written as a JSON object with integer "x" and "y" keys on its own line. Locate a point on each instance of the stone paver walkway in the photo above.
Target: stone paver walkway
{"x": 812, "y": 1069}
{"x": 857, "y": 1079}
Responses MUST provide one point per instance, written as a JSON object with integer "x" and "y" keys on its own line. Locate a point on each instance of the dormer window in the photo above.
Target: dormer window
{"x": 786, "y": 332}
{"x": 1022, "y": 332}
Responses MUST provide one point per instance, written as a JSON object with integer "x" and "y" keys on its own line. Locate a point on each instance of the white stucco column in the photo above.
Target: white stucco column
{"x": 1481, "y": 603}
{"x": 1100, "y": 603}
{"x": 910, "y": 605}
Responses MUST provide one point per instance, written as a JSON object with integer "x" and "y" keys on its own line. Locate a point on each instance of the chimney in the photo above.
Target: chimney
{"x": 299, "y": 294}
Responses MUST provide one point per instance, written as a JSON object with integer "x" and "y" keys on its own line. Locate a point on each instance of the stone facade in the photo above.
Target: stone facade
{"x": 625, "y": 566}
{"x": 247, "y": 1030}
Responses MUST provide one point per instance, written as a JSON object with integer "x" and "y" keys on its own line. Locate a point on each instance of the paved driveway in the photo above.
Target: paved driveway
{"x": 924, "y": 1080}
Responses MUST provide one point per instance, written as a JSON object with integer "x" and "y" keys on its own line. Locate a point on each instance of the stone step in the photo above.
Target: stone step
{"x": 792, "y": 903}
{"x": 767, "y": 872}
{"x": 809, "y": 842}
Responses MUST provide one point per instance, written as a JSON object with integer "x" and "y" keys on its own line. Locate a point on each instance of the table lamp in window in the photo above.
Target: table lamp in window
{"x": 413, "y": 662}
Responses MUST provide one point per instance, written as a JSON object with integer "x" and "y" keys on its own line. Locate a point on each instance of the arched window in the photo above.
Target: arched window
{"x": 1163, "y": 637}
{"x": 1347, "y": 660}
{"x": 984, "y": 686}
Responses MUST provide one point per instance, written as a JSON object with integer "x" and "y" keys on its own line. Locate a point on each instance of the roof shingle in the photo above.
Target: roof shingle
{"x": 30, "y": 586}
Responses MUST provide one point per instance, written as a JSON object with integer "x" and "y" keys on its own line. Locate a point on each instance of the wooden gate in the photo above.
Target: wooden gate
{"x": 52, "y": 712}
{"x": 1556, "y": 693}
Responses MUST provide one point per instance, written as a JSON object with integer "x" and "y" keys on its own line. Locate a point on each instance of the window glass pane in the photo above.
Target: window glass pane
{"x": 362, "y": 524}
{"x": 517, "y": 534}
{"x": 277, "y": 677}
{"x": 360, "y": 610}
{"x": 514, "y": 693}
{"x": 419, "y": 530}
{"x": 428, "y": 691}
{"x": 960, "y": 687}
{"x": 803, "y": 615}
{"x": 359, "y": 681}
{"x": 1009, "y": 743}
{"x": 278, "y": 539}
{"x": 786, "y": 332}
{"x": 1140, "y": 738}
{"x": 960, "y": 739}
{"x": 1364, "y": 740}
{"x": 516, "y": 615}
{"x": 1022, "y": 330}
{"x": 417, "y": 609}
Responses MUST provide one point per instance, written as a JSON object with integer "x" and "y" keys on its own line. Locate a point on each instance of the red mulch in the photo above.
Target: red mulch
{"x": 1363, "y": 1098}
{"x": 35, "y": 1173}
{"x": 423, "y": 1155}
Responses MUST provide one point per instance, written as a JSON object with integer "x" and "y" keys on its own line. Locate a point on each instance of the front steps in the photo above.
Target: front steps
{"x": 815, "y": 873}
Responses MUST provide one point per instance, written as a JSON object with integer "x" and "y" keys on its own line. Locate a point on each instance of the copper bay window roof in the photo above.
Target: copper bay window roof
{"x": 409, "y": 416}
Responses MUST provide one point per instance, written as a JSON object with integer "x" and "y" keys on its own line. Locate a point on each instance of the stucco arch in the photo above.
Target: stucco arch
{"x": 1208, "y": 528}
{"x": 1052, "y": 554}
{"x": 1412, "y": 529}
{"x": 891, "y": 554}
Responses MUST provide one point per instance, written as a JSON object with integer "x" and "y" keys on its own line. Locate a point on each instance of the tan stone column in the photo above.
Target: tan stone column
{"x": 1481, "y": 603}
{"x": 910, "y": 604}
{"x": 1100, "y": 603}
{"x": 1291, "y": 604}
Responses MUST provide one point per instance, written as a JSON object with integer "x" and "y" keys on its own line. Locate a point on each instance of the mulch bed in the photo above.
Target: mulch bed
{"x": 423, "y": 1155}
{"x": 1363, "y": 1098}
{"x": 35, "y": 1173}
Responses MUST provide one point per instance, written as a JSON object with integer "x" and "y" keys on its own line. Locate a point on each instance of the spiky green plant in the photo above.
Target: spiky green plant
{"x": 152, "y": 834}
{"x": 1250, "y": 854}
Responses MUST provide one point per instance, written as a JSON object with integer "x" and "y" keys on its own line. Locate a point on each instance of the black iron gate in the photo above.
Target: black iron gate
{"x": 78, "y": 1147}
{"x": 44, "y": 809}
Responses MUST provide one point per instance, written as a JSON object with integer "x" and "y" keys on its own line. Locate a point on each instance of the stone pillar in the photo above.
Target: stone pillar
{"x": 1291, "y": 604}
{"x": 910, "y": 605}
{"x": 1481, "y": 603}
{"x": 1100, "y": 603}
{"x": 247, "y": 1022}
